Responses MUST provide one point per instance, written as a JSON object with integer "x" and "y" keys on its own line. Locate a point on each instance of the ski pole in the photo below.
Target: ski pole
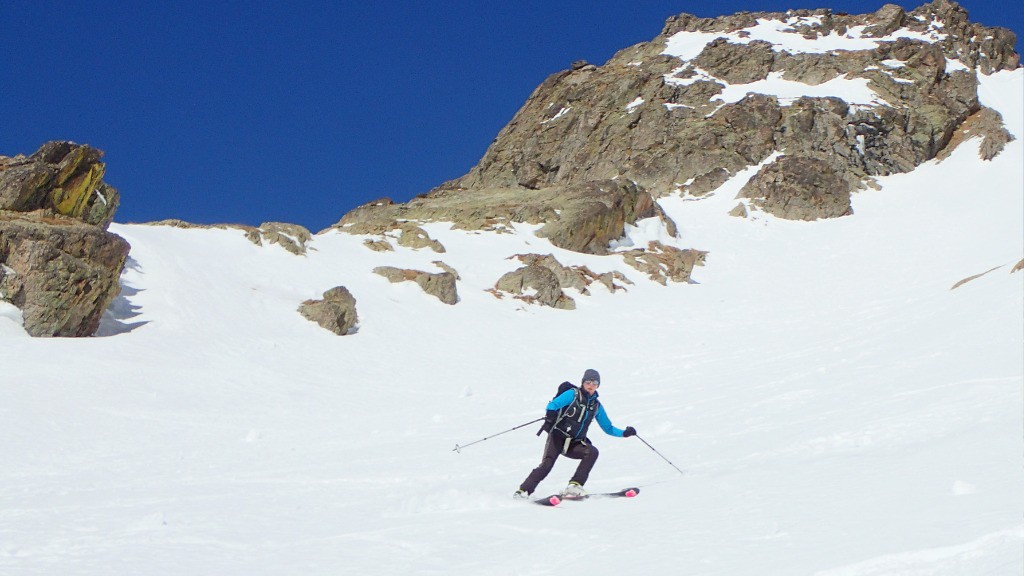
{"x": 459, "y": 448}
{"x": 660, "y": 454}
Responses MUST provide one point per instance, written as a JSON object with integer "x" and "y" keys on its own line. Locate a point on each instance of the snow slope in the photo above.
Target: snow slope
{"x": 837, "y": 408}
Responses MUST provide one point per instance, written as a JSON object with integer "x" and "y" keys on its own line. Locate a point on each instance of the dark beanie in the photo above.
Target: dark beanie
{"x": 591, "y": 374}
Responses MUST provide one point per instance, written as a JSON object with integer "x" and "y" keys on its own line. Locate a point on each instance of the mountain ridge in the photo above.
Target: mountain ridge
{"x": 822, "y": 103}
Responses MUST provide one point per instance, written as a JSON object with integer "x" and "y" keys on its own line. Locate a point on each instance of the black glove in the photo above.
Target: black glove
{"x": 549, "y": 421}
{"x": 629, "y": 431}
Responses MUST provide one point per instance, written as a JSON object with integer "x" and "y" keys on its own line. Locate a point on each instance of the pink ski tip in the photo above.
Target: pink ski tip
{"x": 630, "y": 493}
{"x": 554, "y": 500}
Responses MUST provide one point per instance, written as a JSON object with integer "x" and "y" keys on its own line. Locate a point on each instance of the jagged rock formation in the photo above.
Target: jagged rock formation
{"x": 594, "y": 146}
{"x": 381, "y": 217}
{"x": 535, "y": 284}
{"x": 291, "y": 237}
{"x": 378, "y": 245}
{"x": 799, "y": 188}
{"x": 584, "y": 217}
{"x": 440, "y": 285}
{"x": 576, "y": 277}
{"x": 61, "y": 272}
{"x": 412, "y": 236}
{"x": 660, "y": 119}
{"x": 986, "y": 124}
{"x": 63, "y": 177}
{"x": 336, "y": 311}
{"x": 543, "y": 280}
{"x": 663, "y": 263}
{"x": 58, "y": 264}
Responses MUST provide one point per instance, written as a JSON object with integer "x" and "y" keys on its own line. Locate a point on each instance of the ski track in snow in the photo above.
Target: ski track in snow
{"x": 837, "y": 408}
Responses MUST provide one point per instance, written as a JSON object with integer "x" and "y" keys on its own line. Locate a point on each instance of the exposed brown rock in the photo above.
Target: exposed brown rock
{"x": 61, "y": 272}
{"x": 447, "y": 268}
{"x": 291, "y": 237}
{"x": 57, "y": 262}
{"x": 799, "y": 188}
{"x": 707, "y": 182}
{"x": 584, "y": 218}
{"x": 986, "y": 124}
{"x": 975, "y": 277}
{"x": 663, "y": 263}
{"x": 576, "y": 277}
{"x": 740, "y": 211}
{"x": 335, "y": 312}
{"x": 64, "y": 177}
{"x": 441, "y": 285}
{"x": 378, "y": 245}
{"x": 412, "y": 236}
{"x": 535, "y": 284}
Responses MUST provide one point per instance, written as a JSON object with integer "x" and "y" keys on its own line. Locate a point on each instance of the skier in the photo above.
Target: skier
{"x": 569, "y": 415}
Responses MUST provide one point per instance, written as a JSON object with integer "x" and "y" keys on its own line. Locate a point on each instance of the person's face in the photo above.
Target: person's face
{"x": 590, "y": 386}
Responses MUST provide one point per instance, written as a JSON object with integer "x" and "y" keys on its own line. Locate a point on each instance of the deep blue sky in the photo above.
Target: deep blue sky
{"x": 254, "y": 111}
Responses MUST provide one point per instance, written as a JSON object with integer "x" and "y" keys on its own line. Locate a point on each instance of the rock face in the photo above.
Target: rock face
{"x": 58, "y": 263}
{"x": 799, "y": 188}
{"x": 64, "y": 177}
{"x": 660, "y": 120}
{"x": 584, "y": 217}
{"x": 440, "y": 285}
{"x": 543, "y": 280}
{"x": 664, "y": 263}
{"x": 536, "y": 284}
{"x": 594, "y": 146}
{"x": 61, "y": 272}
{"x": 291, "y": 237}
{"x": 336, "y": 311}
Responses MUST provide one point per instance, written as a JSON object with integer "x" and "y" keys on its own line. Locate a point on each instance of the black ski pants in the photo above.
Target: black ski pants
{"x": 583, "y": 451}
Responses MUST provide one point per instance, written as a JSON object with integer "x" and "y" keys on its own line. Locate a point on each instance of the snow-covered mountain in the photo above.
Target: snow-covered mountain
{"x": 836, "y": 405}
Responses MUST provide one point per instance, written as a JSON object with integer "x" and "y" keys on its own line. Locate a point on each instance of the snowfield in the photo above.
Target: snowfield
{"x": 838, "y": 408}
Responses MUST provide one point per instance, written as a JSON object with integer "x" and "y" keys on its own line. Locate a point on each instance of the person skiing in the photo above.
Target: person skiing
{"x": 569, "y": 415}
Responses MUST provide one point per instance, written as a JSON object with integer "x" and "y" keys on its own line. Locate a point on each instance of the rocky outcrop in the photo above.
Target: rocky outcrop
{"x": 988, "y": 48}
{"x": 535, "y": 284}
{"x": 291, "y": 237}
{"x": 63, "y": 177}
{"x": 577, "y": 277}
{"x": 61, "y": 272}
{"x": 584, "y": 218}
{"x": 659, "y": 121}
{"x": 986, "y": 124}
{"x": 594, "y": 147}
{"x": 336, "y": 311}
{"x": 440, "y": 285}
{"x": 412, "y": 236}
{"x": 799, "y": 188}
{"x": 58, "y": 264}
{"x": 593, "y": 214}
{"x": 378, "y": 245}
{"x": 664, "y": 263}
{"x": 543, "y": 280}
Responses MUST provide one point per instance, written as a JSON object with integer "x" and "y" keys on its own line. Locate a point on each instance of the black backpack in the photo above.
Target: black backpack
{"x": 551, "y": 416}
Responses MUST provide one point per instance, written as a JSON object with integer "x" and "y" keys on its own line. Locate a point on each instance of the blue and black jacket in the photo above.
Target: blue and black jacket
{"x": 576, "y": 410}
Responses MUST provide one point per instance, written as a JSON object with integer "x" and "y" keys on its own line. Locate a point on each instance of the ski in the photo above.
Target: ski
{"x": 553, "y": 500}
{"x": 624, "y": 493}
{"x": 556, "y": 499}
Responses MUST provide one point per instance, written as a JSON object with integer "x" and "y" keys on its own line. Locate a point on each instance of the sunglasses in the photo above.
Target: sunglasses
{"x": 594, "y": 382}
